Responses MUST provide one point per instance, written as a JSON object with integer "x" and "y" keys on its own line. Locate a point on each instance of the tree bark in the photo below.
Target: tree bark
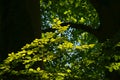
{"x": 19, "y": 24}
{"x": 108, "y": 11}
{"x": 109, "y": 15}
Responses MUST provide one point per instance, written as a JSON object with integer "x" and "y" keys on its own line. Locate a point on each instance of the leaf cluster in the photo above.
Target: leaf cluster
{"x": 53, "y": 57}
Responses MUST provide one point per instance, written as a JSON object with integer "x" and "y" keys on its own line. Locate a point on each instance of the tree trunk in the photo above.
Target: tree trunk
{"x": 19, "y": 24}
{"x": 109, "y": 14}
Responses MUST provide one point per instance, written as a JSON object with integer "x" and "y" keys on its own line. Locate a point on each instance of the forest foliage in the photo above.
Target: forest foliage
{"x": 60, "y": 57}
{"x": 66, "y": 53}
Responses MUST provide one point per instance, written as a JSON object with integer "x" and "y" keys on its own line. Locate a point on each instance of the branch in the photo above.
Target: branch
{"x": 48, "y": 30}
{"x": 85, "y": 28}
